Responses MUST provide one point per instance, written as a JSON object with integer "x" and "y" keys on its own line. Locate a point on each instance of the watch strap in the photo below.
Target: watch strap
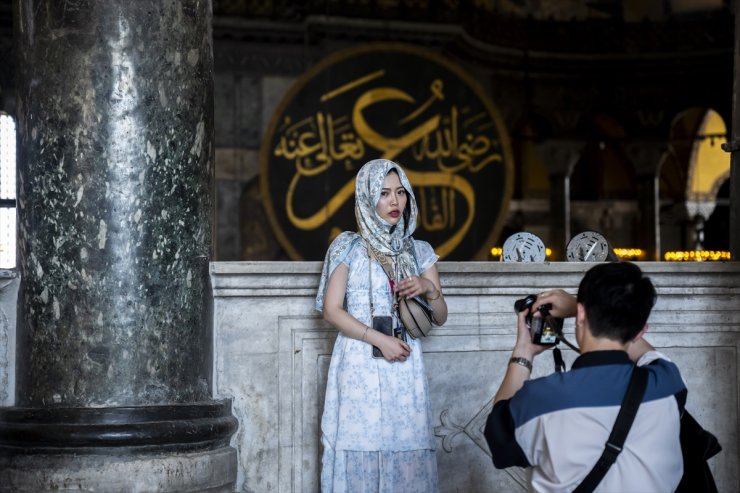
{"x": 521, "y": 361}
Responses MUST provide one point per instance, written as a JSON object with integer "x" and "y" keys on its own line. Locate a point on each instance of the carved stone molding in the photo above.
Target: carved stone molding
{"x": 272, "y": 352}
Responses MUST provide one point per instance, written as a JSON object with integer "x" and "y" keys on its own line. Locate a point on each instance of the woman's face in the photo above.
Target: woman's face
{"x": 392, "y": 199}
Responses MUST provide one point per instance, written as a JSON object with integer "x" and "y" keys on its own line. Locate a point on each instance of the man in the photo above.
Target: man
{"x": 558, "y": 425}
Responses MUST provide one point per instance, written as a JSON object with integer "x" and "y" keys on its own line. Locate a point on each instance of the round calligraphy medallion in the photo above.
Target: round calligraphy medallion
{"x": 396, "y": 102}
{"x": 523, "y": 247}
{"x": 588, "y": 246}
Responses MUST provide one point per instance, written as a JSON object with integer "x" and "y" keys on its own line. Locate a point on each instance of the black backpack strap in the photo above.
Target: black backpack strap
{"x": 622, "y": 425}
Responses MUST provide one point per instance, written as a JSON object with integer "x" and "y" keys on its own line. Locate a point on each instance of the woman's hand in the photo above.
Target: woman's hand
{"x": 426, "y": 285}
{"x": 394, "y": 349}
{"x": 413, "y": 286}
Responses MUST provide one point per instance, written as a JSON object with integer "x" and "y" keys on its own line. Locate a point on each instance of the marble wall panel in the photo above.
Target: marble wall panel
{"x": 9, "y": 282}
{"x": 272, "y": 353}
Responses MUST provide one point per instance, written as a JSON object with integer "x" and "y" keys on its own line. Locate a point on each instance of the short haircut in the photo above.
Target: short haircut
{"x": 618, "y": 299}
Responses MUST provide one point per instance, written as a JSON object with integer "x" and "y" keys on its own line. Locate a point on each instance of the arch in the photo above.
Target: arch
{"x": 692, "y": 175}
{"x": 531, "y": 177}
{"x": 675, "y": 170}
{"x": 603, "y": 172}
{"x": 709, "y": 165}
{"x": 603, "y": 192}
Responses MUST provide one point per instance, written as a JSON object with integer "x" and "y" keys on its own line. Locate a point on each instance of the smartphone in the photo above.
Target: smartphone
{"x": 384, "y": 324}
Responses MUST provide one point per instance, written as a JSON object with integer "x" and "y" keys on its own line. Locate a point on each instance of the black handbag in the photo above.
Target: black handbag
{"x": 697, "y": 446}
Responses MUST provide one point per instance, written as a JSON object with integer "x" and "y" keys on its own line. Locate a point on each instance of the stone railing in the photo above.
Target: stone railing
{"x": 272, "y": 351}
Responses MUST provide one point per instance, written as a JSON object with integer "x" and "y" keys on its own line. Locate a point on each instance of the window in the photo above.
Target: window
{"x": 7, "y": 192}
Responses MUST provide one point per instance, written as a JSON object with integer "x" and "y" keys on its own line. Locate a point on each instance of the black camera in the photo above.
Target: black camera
{"x": 545, "y": 329}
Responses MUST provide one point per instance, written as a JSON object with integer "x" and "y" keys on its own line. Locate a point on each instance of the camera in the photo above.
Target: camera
{"x": 545, "y": 329}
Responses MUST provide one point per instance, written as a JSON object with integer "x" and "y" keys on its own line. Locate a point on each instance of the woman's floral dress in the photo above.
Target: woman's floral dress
{"x": 376, "y": 428}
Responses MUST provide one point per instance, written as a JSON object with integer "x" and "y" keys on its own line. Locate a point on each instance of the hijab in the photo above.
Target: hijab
{"x": 384, "y": 238}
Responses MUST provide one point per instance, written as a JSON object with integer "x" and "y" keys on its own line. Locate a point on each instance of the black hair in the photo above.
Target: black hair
{"x": 406, "y": 210}
{"x": 618, "y": 299}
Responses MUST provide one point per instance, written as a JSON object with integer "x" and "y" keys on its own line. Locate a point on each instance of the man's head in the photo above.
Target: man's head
{"x": 617, "y": 299}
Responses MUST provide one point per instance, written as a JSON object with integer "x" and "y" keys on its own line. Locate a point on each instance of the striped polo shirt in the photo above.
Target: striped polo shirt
{"x": 559, "y": 424}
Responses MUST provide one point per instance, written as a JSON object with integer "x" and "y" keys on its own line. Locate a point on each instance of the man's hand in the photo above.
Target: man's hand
{"x": 524, "y": 347}
{"x": 517, "y": 374}
{"x": 563, "y": 304}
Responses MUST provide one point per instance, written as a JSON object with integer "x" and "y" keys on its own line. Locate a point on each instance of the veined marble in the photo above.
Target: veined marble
{"x": 271, "y": 354}
{"x": 9, "y": 282}
{"x": 272, "y": 351}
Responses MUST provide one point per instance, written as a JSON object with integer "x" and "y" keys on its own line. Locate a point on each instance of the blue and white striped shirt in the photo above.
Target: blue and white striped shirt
{"x": 559, "y": 424}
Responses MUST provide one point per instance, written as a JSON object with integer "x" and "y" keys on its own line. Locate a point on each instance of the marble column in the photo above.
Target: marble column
{"x": 560, "y": 158}
{"x": 115, "y": 206}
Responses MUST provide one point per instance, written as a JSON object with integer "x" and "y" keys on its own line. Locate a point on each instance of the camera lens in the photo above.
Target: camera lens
{"x": 524, "y": 303}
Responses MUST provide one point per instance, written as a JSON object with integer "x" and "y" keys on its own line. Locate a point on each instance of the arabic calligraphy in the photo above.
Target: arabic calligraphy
{"x": 445, "y": 143}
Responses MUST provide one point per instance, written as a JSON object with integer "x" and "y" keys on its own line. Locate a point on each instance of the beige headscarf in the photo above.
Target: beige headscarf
{"x": 385, "y": 239}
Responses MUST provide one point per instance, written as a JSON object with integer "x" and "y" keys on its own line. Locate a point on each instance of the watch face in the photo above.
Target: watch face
{"x": 523, "y": 247}
{"x": 588, "y": 246}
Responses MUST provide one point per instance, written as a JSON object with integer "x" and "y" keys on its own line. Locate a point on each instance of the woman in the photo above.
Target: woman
{"x": 377, "y": 424}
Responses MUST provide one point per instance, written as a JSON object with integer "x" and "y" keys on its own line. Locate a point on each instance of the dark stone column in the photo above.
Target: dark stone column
{"x": 115, "y": 205}
{"x": 648, "y": 203}
{"x": 560, "y": 157}
{"x": 733, "y": 146}
{"x": 646, "y": 158}
{"x": 560, "y": 232}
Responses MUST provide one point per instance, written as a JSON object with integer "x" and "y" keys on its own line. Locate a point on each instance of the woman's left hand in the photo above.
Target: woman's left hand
{"x": 415, "y": 286}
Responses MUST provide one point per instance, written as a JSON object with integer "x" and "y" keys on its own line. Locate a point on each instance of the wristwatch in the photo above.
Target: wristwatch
{"x": 521, "y": 361}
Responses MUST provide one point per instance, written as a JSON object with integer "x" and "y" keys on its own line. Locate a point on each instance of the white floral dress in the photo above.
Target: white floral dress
{"x": 377, "y": 432}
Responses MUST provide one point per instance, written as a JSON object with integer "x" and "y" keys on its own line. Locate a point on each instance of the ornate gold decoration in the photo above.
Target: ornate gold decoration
{"x": 396, "y": 102}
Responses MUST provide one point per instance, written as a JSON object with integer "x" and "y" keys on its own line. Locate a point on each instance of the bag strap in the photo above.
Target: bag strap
{"x": 622, "y": 425}
{"x": 381, "y": 259}
{"x": 370, "y": 283}
{"x": 387, "y": 268}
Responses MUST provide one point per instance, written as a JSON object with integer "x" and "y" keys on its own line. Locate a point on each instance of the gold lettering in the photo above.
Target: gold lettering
{"x": 390, "y": 147}
{"x": 351, "y": 85}
{"x": 323, "y": 215}
{"x": 436, "y": 88}
{"x": 471, "y": 154}
{"x": 316, "y": 143}
{"x": 451, "y": 182}
{"x": 436, "y": 209}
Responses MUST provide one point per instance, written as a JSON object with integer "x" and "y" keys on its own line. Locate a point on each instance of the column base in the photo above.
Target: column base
{"x": 173, "y": 448}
